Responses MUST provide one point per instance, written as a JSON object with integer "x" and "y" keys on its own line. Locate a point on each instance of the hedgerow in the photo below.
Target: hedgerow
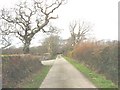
{"x": 101, "y": 57}
{"x": 17, "y": 68}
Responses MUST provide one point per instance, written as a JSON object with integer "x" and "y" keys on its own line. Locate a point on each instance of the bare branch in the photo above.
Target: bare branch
{"x": 28, "y": 19}
{"x": 78, "y": 31}
{"x": 59, "y": 4}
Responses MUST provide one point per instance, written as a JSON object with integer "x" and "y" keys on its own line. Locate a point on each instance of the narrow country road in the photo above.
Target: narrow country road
{"x": 64, "y": 75}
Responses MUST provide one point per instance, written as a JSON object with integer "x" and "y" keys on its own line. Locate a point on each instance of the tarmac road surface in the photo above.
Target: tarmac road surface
{"x": 64, "y": 75}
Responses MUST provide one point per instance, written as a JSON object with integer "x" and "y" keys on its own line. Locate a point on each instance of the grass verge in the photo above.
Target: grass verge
{"x": 35, "y": 80}
{"x": 97, "y": 79}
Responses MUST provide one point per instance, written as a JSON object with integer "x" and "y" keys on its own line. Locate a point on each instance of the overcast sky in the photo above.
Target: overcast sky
{"x": 102, "y": 14}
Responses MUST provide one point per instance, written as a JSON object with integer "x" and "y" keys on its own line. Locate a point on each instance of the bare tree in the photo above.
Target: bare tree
{"x": 53, "y": 30}
{"x": 5, "y": 40}
{"x": 29, "y": 20}
{"x": 78, "y": 31}
{"x": 52, "y": 44}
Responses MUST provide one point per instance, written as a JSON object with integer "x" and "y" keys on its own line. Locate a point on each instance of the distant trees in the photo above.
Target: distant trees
{"x": 51, "y": 44}
{"x": 78, "y": 31}
{"x": 12, "y": 50}
{"x": 28, "y": 19}
{"x": 38, "y": 50}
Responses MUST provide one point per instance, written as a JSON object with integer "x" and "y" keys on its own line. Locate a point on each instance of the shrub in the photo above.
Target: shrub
{"x": 17, "y": 68}
{"x": 99, "y": 56}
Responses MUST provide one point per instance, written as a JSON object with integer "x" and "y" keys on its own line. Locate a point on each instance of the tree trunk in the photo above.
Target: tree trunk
{"x": 26, "y": 48}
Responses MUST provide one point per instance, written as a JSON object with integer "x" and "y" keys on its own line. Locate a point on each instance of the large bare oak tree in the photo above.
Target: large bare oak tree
{"x": 30, "y": 18}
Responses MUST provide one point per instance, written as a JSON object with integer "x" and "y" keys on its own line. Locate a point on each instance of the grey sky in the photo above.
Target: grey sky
{"x": 102, "y": 14}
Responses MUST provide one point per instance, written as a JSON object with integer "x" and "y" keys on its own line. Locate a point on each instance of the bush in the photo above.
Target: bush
{"x": 99, "y": 56}
{"x": 17, "y": 68}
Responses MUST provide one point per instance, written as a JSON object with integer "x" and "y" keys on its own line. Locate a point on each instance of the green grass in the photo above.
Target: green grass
{"x": 35, "y": 80}
{"x": 99, "y": 80}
